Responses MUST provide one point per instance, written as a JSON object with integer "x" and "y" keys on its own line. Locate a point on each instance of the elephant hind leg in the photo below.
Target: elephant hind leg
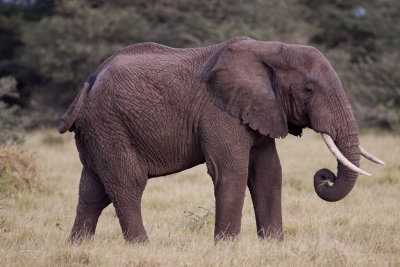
{"x": 125, "y": 180}
{"x": 92, "y": 200}
{"x": 126, "y": 199}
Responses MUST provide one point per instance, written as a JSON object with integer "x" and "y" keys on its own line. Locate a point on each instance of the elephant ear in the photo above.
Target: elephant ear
{"x": 242, "y": 83}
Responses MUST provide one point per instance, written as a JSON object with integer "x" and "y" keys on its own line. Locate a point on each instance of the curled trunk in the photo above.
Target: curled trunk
{"x": 327, "y": 185}
{"x": 343, "y": 183}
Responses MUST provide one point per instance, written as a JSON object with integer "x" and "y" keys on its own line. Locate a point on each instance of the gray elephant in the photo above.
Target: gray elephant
{"x": 151, "y": 110}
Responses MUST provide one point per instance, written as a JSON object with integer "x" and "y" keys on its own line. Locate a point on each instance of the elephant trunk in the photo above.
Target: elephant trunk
{"x": 327, "y": 185}
{"x": 343, "y": 183}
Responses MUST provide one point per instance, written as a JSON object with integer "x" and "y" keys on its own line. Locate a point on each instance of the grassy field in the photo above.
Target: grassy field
{"x": 361, "y": 230}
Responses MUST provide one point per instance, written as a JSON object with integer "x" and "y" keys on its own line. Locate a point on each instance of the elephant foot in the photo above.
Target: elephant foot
{"x": 224, "y": 237}
{"x": 271, "y": 234}
{"x": 141, "y": 239}
{"x": 84, "y": 228}
{"x": 77, "y": 238}
{"x": 132, "y": 224}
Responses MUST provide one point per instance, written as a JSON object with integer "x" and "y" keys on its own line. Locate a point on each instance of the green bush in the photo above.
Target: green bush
{"x": 373, "y": 87}
{"x": 77, "y": 39}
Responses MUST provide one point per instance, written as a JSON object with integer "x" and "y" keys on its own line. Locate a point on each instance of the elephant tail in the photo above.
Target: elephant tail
{"x": 69, "y": 116}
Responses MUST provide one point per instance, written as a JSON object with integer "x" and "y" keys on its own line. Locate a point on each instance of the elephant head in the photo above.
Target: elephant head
{"x": 279, "y": 88}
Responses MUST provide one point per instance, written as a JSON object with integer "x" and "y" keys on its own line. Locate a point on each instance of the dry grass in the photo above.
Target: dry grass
{"x": 363, "y": 229}
{"x": 18, "y": 172}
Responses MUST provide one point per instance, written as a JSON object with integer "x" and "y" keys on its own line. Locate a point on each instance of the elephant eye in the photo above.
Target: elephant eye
{"x": 309, "y": 88}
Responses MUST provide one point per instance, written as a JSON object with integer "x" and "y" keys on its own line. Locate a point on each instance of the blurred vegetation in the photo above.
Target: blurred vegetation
{"x": 10, "y": 119}
{"x": 18, "y": 171}
{"x": 49, "y": 47}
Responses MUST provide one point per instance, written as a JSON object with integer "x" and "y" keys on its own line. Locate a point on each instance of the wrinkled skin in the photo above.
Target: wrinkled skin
{"x": 153, "y": 110}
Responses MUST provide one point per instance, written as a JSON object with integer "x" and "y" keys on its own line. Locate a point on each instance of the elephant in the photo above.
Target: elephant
{"x": 150, "y": 110}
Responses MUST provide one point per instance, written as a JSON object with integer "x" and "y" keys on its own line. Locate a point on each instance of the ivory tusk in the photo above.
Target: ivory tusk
{"x": 335, "y": 151}
{"x": 370, "y": 156}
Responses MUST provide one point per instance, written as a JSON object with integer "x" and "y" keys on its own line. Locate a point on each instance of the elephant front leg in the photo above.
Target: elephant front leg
{"x": 92, "y": 200}
{"x": 228, "y": 211}
{"x": 226, "y": 145}
{"x": 265, "y": 185}
{"x": 229, "y": 179}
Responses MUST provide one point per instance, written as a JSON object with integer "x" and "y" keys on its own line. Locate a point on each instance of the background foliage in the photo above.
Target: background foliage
{"x": 48, "y": 47}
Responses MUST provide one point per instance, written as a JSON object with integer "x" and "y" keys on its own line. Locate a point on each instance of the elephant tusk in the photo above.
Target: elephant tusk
{"x": 335, "y": 151}
{"x": 370, "y": 156}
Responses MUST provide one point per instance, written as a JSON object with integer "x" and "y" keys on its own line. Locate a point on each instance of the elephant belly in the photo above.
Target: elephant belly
{"x": 164, "y": 158}
{"x": 163, "y": 148}
{"x": 156, "y": 170}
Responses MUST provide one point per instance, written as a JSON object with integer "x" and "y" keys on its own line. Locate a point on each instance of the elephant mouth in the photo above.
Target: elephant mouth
{"x": 295, "y": 129}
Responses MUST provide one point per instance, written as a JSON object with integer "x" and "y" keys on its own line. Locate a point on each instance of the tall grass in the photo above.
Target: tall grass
{"x": 363, "y": 229}
{"x": 18, "y": 172}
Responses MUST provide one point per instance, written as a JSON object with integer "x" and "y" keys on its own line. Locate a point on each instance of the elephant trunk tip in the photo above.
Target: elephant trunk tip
{"x": 325, "y": 185}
